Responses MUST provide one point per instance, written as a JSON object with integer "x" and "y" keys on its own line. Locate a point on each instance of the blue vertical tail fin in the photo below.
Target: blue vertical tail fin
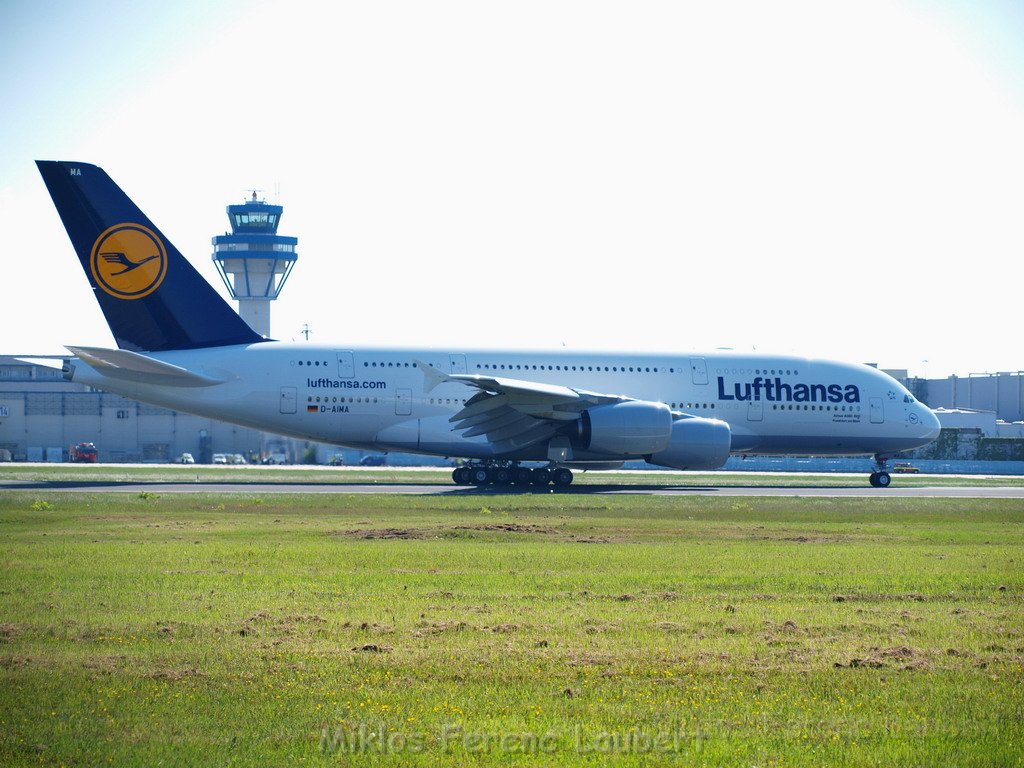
{"x": 152, "y": 298}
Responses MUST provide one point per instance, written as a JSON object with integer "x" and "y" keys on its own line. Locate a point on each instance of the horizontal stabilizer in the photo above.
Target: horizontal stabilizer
{"x": 131, "y": 366}
{"x": 54, "y": 363}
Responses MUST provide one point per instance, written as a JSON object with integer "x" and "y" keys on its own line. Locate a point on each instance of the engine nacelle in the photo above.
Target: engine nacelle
{"x": 632, "y": 428}
{"x": 696, "y": 443}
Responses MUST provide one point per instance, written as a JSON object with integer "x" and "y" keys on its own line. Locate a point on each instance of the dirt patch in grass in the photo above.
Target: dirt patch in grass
{"x": 808, "y": 539}
{"x": 174, "y": 675}
{"x": 8, "y": 632}
{"x": 594, "y": 627}
{"x": 372, "y": 648}
{"x": 425, "y": 628}
{"x": 105, "y": 663}
{"x": 507, "y": 528}
{"x": 880, "y": 597}
{"x": 589, "y": 659}
{"x": 671, "y": 626}
{"x": 380, "y": 629}
{"x": 502, "y": 628}
{"x": 900, "y": 656}
{"x": 788, "y": 627}
{"x": 899, "y": 652}
{"x": 284, "y": 625}
{"x": 384, "y": 533}
{"x": 856, "y": 663}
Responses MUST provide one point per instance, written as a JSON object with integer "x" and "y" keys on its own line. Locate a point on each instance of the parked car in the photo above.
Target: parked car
{"x": 373, "y": 460}
{"x": 276, "y": 458}
{"x": 236, "y": 458}
{"x": 220, "y": 458}
{"x": 186, "y": 458}
{"x": 905, "y": 468}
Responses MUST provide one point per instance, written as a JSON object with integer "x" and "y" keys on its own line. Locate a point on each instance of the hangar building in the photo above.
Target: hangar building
{"x": 42, "y": 415}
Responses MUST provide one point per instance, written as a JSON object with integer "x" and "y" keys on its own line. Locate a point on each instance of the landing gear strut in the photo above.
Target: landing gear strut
{"x": 880, "y": 478}
{"x": 511, "y": 473}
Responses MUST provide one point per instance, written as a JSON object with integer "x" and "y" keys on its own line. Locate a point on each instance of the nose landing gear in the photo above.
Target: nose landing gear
{"x": 880, "y": 477}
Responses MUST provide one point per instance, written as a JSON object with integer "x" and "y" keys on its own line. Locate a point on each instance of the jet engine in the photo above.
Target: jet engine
{"x": 631, "y": 428}
{"x": 695, "y": 443}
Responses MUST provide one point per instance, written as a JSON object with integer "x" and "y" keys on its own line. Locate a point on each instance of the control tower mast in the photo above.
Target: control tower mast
{"x": 254, "y": 260}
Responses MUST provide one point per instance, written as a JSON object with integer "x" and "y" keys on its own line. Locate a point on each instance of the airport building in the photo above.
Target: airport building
{"x": 42, "y": 416}
{"x": 1000, "y": 393}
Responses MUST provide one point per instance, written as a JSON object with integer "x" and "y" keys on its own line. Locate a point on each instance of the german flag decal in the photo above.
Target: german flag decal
{"x": 311, "y": 409}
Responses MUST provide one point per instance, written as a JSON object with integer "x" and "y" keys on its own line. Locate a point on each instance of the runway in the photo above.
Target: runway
{"x": 855, "y": 490}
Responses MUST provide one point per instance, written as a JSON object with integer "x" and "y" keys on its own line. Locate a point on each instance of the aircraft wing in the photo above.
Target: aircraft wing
{"x": 515, "y": 413}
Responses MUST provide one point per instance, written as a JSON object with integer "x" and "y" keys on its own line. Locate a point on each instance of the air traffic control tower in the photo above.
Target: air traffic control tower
{"x": 254, "y": 260}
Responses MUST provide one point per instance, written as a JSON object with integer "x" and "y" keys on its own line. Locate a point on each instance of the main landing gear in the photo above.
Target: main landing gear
{"x": 880, "y": 478}
{"x": 511, "y": 473}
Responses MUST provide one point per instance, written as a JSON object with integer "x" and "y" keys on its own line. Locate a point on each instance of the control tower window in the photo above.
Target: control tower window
{"x": 255, "y": 219}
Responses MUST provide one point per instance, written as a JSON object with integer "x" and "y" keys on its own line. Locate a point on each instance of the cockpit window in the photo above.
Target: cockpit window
{"x": 908, "y": 398}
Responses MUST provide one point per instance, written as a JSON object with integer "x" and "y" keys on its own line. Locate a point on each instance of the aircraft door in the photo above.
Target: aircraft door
{"x": 403, "y": 402}
{"x": 458, "y": 363}
{"x": 289, "y": 399}
{"x": 755, "y": 411}
{"x": 346, "y": 366}
{"x": 877, "y": 411}
{"x": 699, "y": 370}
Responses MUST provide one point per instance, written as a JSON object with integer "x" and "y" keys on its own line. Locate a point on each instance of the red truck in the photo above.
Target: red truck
{"x": 84, "y": 452}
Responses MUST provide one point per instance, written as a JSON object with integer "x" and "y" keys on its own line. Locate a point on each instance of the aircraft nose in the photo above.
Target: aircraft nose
{"x": 931, "y": 423}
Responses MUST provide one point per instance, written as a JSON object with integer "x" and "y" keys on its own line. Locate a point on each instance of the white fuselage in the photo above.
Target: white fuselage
{"x": 377, "y": 399}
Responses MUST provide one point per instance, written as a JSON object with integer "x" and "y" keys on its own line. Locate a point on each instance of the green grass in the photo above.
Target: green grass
{"x": 233, "y": 629}
{"x": 393, "y": 475}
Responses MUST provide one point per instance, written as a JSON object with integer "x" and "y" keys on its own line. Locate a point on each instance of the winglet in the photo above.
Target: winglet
{"x": 431, "y": 375}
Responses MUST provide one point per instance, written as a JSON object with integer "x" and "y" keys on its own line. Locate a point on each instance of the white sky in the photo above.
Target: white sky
{"x": 833, "y": 179}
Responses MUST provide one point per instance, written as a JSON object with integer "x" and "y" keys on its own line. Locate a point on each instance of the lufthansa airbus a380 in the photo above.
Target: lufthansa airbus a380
{"x": 181, "y": 346}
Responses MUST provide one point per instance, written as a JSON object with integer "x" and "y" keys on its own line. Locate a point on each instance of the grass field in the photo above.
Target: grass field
{"x": 393, "y": 475}
{"x": 549, "y": 629}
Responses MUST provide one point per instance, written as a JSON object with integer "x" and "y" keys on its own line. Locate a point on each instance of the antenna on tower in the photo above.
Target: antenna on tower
{"x": 306, "y": 330}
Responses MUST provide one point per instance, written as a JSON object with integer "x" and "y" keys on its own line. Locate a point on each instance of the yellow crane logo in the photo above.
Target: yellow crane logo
{"x": 128, "y": 261}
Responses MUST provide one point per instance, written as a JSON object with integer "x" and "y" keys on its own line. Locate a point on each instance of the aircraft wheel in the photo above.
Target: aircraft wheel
{"x": 562, "y": 477}
{"x": 501, "y": 476}
{"x": 882, "y": 480}
{"x": 522, "y": 476}
{"x": 479, "y": 476}
{"x": 457, "y": 475}
{"x": 540, "y": 476}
